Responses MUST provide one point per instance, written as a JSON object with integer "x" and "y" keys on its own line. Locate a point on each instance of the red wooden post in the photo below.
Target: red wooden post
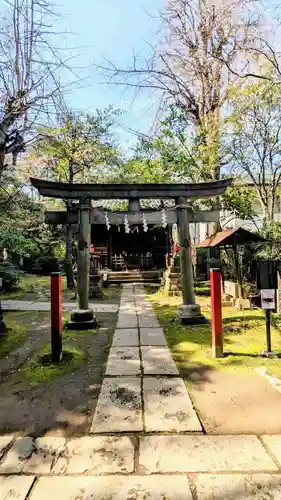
{"x": 56, "y": 317}
{"x": 216, "y": 311}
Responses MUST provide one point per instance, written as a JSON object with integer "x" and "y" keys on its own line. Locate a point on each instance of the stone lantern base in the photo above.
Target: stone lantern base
{"x": 191, "y": 315}
{"x": 82, "y": 320}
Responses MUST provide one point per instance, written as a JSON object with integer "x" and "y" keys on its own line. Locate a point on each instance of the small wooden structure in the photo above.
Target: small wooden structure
{"x": 233, "y": 238}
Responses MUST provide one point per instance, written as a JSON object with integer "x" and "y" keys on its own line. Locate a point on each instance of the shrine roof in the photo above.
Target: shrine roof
{"x": 231, "y": 237}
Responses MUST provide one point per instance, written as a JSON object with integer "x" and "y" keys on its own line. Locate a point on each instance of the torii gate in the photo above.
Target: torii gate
{"x": 85, "y": 215}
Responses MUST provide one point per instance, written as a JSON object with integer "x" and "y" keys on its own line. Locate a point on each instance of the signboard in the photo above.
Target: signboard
{"x": 268, "y": 298}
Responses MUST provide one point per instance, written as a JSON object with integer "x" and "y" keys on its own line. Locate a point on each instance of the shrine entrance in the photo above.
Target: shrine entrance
{"x": 84, "y": 215}
{"x": 136, "y": 250}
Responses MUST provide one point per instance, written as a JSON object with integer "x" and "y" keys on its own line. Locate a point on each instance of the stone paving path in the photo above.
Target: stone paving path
{"x": 27, "y": 305}
{"x": 142, "y": 390}
{"x": 147, "y": 467}
{"x": 132, "y": 458}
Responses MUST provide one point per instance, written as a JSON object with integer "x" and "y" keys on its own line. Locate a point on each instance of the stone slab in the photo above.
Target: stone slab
{"x": 125, "y": 337}
{"x": 242, "y": 487}
{"x": 113, "y": 488}
{"x": 168, "y": 407}
{"x": 127, "y": 308}
{"x": 273, "y": 443}
{"x": 144, "y": 308}
{"x": 32, "y": 456}
{"x": 152, "y": 336}
{"x": 4, "y": 443}
{"x": 15, "y": 487}
{"x": 125, "y": 317}
{"x": 123, "y": 361}
{"x": 119, "y": 407}
{"x": 17, "y": 456}
{"x": 96, "y": 455}
{"x": 204, "y": 454}
{"x": 148, "y": 320}
{"x": 46, "y": 452}
{"x": 158, "y": 360}
{"x": 127, "y": 320}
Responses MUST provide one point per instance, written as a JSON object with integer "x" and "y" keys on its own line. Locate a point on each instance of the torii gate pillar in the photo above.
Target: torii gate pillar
{"x": 83, "y": 318}
{"x": 189, "y": 311}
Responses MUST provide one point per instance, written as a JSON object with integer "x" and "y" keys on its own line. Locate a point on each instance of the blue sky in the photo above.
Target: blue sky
{"x": 113, "y": 30}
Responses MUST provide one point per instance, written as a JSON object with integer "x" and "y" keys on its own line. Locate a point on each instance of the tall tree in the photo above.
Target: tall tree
{"x": 185, "y": 67}
{"x": 188, "y": 69}
{"x": 255, "y": 144}
{"x": 80, "y": 148}
{"x": 29, "y": 72}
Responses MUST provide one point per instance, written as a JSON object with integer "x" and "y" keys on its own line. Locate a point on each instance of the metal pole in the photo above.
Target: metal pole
{"x": 268, "y": 329}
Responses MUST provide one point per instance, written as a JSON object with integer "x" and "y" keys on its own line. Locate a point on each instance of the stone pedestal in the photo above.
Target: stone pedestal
{"x": 190, "y": 314}
{"x": 82, "y": 320}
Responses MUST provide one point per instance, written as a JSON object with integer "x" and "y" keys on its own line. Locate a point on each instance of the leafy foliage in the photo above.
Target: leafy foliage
{"x": 81, "y": 147}
{"x": 239, "y": 201}
{"x": 26, "y": 237}
{"x": 10, "y": 275}
{"x": 272, "y": 232}
{"x": 255, "y": 148}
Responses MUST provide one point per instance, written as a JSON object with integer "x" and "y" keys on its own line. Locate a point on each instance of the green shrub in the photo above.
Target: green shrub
{"x": 46, "y": 264}
{"x": 10, "y": 275}
{"x": 202, "y": 290}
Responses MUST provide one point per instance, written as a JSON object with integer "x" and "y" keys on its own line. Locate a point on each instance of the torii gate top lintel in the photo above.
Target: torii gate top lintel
{"x": 128, "y": 191}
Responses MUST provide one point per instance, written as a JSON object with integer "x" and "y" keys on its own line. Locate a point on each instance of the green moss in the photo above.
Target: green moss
{"x": 202, "y": 290}
{"x": 14, "y": 337}
{"x": 32, "y": 283}
{"x": 244, "y": 338}
{"x": 41, "y": 369}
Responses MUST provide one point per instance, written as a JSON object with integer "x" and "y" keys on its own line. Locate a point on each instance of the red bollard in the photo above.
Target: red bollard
{"x": 216, "y": 311}
{"x": 56, "y": 317}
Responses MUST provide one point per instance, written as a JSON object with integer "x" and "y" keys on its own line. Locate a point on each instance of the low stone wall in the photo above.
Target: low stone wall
{"x": 231, "y": 289}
